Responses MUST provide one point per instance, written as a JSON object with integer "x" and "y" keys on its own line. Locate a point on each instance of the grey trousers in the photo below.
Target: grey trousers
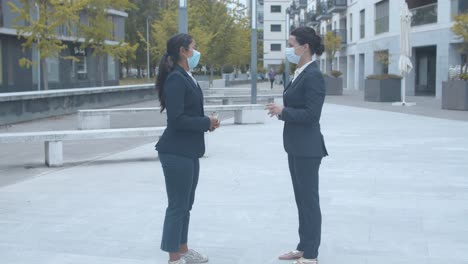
{"x": 305, "y": 178}
{"x": 181, "y": 176}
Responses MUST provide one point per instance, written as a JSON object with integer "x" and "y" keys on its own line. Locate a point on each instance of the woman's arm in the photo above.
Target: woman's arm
{"x": 175, "y": 89}
{"x": 314, "y": 98}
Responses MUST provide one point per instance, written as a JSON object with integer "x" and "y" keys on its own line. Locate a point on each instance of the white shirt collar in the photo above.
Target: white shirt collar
{"x": 301, "y": 69}
{"x": 193, "y": 78}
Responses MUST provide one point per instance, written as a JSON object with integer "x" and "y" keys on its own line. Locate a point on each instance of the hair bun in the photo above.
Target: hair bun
{"x": 319, "y": 49}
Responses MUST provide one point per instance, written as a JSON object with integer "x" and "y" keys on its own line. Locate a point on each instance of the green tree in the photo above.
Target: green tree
{"x": 100, "y": 30}
{"x": 332, "y": 44}
{"x": 460, "y": 28}
{"x": 221, "y": 36}
{"x": 135, "y": 31}
{"x": 40, "y": 29}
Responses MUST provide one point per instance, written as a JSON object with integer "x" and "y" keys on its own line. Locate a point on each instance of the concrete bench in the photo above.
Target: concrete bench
{"x": 53, "y": 140}
{"x": 100, "y": 118}
{"x": 229, "y": 99}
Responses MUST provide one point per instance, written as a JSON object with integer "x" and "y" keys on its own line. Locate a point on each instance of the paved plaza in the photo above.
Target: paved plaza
{"x": 393, "y": 190}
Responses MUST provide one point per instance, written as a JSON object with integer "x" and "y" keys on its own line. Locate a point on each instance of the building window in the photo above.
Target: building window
{"x": 275, "y": 9}
{"x": 111, "y": 68}
{"x": 275, "y": 47}
{"x": 362, "y": 23}
{"x": 112, "y": 22}
{"x": 52, "y": 69}
{"x": 275, "y": 28}
{"x": 1, "y": 63}
{"x": 381, "y": 17}
{"x": 81, "y": 68}
{"x": 351, "y": 27}
{"x": 1, "y": 13}
{"x": 424, "y": 12}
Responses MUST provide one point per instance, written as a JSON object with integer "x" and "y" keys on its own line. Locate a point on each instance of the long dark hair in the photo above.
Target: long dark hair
{"x": 168, "y": 61}
{"x": 307, "y": 35}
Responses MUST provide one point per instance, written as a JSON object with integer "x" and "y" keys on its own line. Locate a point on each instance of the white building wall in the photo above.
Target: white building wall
{"x": 274, "y": 57}
{"x": 437, "y": 34}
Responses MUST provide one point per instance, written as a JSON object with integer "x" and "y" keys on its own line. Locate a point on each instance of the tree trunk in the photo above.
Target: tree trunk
{"x": 44, "y": 74}
{"x": 101, "y": 69}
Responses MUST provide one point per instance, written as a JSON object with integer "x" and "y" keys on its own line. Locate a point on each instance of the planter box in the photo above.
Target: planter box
{"x": 387, "y": 90}
{"x": 333, "y": 85}
{"x": 455, "y": 95}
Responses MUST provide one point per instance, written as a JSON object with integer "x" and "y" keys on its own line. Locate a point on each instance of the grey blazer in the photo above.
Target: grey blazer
{"x": 303, "y": 101}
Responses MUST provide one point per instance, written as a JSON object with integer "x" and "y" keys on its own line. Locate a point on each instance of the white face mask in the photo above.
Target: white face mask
{"x": 291, "y": 56}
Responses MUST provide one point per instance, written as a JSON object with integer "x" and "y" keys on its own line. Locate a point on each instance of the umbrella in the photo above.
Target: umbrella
{"x": 405, "y": 65}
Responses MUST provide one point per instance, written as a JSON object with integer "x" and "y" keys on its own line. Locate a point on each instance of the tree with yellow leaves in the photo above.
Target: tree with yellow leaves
{"x": 332, "y": 44}
{"x": 37, "y": 24}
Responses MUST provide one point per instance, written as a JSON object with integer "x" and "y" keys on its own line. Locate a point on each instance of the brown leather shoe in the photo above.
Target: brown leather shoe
{"x": 295, "y": 254}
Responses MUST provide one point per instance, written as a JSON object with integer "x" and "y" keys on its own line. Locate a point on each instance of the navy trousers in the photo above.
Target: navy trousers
{"x": 181, "y": 175}
{"x": 305, "y": 178}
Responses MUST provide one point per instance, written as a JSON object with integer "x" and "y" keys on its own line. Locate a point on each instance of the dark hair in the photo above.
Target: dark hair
{"x": 307, "y": 35}
{"x": 168, "y": 60}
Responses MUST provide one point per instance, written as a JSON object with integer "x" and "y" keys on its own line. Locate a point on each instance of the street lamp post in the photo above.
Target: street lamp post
{"x": 286, "y": 62}
{"x": 183, "y": 16}
{"x": 253, "y": 56}
{"x": 38, "y": 55}
{"x": 147, "y": 48}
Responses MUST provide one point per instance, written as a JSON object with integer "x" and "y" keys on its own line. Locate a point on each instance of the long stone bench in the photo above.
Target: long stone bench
{"x": 229, "y": 99}
{"x": 53, "y": 147}
{"x": 100, "y": 118}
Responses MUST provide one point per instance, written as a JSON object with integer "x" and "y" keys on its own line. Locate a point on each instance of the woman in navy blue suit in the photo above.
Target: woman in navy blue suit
{"x": 303, "y": 100}
{"x": 182, "y": 143}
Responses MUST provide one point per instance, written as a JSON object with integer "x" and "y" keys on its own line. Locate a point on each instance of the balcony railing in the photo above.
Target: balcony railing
{"x": 381, "y": 25}
{"x": 311, "y": 18}
{"x": 335, "y": 6}
{"x": 424, "y": 15}
{"x": 300, "y": 3}
{"x": 322, "y": 11}
{"x": 342, "y": 34}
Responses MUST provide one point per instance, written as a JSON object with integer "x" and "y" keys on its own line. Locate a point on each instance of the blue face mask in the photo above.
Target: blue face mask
{"x": 291, "y": 55}
{"x": 193, "y": 61}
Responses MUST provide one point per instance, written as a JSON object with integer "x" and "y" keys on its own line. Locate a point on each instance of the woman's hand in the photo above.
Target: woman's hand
{"x": 274, "y": 109}
{"x": 214, "y": 123}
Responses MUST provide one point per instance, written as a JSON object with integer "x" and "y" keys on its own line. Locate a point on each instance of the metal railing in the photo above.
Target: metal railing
{"x": 336, "y": 3}
{"x": 424, "y": 15}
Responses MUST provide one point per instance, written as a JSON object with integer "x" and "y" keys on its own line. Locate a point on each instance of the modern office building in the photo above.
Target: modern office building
{"x": 61, "y": 73}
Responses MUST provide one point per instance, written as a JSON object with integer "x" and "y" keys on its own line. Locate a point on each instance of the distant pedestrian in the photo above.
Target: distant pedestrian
{"x": 182, "y": 143}
{"x": 271, "y": 77}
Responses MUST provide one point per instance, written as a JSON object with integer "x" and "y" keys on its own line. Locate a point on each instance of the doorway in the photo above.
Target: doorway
{"x": 426, "y": 65}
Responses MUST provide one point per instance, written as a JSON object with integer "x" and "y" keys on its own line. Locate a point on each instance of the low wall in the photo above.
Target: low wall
{"x": 26, "y": 106}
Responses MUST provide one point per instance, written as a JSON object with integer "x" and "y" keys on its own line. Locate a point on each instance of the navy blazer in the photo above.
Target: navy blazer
{"x": 303, "y": 101}
{"x": 186, "y": 120}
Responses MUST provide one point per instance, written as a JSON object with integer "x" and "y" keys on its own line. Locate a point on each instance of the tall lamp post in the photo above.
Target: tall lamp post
{"x": 38, "y": 55}
{"x": 253, "y": 56}
{"x": 183, "y": 16}
{"x": 286, "y": 62}
{"x": 148, "y": 18}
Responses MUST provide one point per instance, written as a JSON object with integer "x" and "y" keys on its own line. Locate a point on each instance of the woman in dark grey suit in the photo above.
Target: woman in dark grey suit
{"x": 303, "y": 141}
{"x": 181, "y": 144}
